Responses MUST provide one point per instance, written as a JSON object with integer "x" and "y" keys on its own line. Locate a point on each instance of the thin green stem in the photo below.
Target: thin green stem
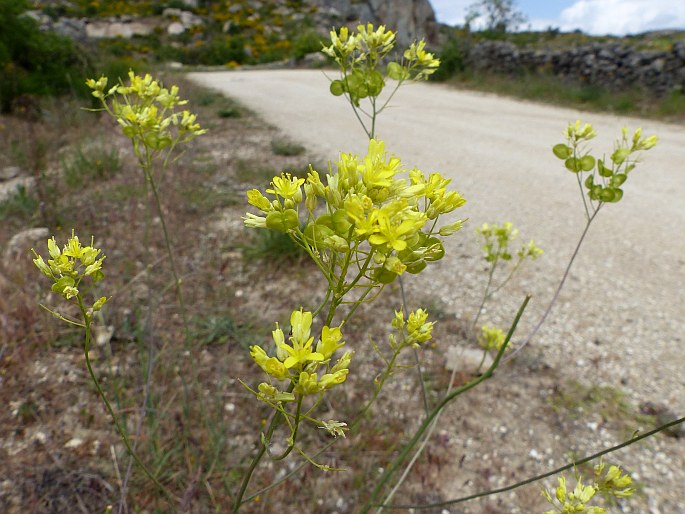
{"x": 406, "y": 450}
{"x": 275, "y": 421}
{"x": 419, "y": 373}
{"x": 547, "y": 474}
{"x": 110, "y": 410}
{"x": 293, "y": 438}
{"x": 385, "y": 104}
{"x": 170, "y": 253}
{"x": 559, "y": 288}
{"x": 486, "y": 295}
{"x": 506, "y": 280}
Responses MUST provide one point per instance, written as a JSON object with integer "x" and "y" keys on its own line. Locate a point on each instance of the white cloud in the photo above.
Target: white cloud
{"x": 622, "y": 16}
{"x": 451, "y": 12}
{"x": 597, "y": 17}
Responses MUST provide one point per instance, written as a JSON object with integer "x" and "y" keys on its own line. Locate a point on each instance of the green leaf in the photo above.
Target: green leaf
{"x": 607, "y": 195}
{"x": 590, "y": 181}
{"x": 337, "y": 88}
{"x": 315, "y": 234}
{"x": 595, "y": 192}
{"x": 587, "y": 162}
{"x": 603, "y": 170}
{"x": 618, "y": 179}
{"x": 396, "y": 71}
{"x": 572, "y": 164}
{"x": 341, "y": 223}
{"x": 562, "y": 151}
{"x": 62, "y": 283}
{"x": 416, "y": 267}
{"x": 356, "y": 85}
{"x": 435, "y": 250}
{"x": 282, "y": 221}
{"x": 375, "y": 83}
{"x": 384, "y": 276}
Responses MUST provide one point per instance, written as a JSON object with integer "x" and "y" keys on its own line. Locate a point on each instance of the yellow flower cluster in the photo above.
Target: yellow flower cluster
{"x": 68, "y": 267}
{"x": 359, "y": 55}
{"x": 496, "y": 242}
{"x": 491, "y": 338}
{"x": 612, "y": 483}
{"x": 367, "y": 44}
{"x": 299, "y": 360}
{"x": 387, "y": 223}
{"x": 146, "y": 111}
{"x": 418, "y": 329}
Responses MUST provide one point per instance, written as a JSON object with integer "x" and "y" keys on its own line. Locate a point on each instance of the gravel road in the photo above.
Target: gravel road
{"x": 620, "y": 321}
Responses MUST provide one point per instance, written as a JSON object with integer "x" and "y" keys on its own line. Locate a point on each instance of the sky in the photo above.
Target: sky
{"x": 596, "y": 17}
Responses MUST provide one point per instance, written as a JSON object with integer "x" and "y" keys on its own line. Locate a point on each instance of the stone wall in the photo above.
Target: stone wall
{"x": 611, "y": 65}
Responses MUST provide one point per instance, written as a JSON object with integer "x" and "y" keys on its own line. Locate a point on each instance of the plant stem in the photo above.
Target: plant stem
{"x": 547, "y": 474}
{"x": 110, "y": 410}
{"x": 167, "y": 244}
{"x": 436, "y": 411}
{"x": 275, "y": 421}
{"x": 485, "y": 295}
{"x": 559, "y": 288}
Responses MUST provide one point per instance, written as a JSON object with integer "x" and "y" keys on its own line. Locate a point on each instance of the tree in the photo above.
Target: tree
{"x": 499, "y": 15}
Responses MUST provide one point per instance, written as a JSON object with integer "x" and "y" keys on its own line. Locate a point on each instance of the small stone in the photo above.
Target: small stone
{"x": 175, "y": 28}
{"x": 73, "y": 443}
{"x": 9, "y": 172}
{"x": 103, "y": 334}
{"x": 466, "y": 360}
{"x": 21, "y": 243}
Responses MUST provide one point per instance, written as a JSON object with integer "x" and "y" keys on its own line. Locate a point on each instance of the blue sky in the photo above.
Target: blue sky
{"x": 597, "y": 17}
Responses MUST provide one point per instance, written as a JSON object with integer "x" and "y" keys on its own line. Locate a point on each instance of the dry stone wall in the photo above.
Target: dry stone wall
{"x": 610, "y": 65}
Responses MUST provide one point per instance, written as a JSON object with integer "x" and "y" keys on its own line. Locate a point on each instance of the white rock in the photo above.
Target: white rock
{"x": 73, "y": 443}
{"x": 175, "y": 28}
{"x": 9, "y": 172}
{"x": 10, "y": 187}
{"x": 20, "y": 244}
{"x": 466, "y": 360}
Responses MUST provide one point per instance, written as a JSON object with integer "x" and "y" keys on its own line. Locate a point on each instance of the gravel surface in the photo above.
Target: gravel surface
{"x": 619, "y": 321}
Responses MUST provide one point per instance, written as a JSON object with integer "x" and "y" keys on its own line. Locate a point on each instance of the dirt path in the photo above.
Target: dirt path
{"x": 620, "y": 321}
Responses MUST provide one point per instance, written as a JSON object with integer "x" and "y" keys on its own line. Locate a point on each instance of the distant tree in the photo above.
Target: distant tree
{"x": 499, "y": 15}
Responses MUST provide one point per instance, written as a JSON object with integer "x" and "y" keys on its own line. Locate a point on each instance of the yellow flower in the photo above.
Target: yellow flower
{"x": 287, "y": 187}
{"x": 307, "y": 384}
{"x": 300, "y": 352}
{"x": 491, "y": 338}
{"x": 329, "y": 342}
{"x": 270, "y": 393}
{"x": 271, "y": 365}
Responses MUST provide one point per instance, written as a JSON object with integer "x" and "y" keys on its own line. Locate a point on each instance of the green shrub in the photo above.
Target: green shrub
{"x": 287, "y": 148}
{"x": 308, "y": 42}
{"x": 276, "y": 247}
{"x": 452, "y": 56}
{"x": 34, "y": 62}
{"x": 217, "y": 52}
{"x": 93, "y": 164}
{"x": 21, "y": 204}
